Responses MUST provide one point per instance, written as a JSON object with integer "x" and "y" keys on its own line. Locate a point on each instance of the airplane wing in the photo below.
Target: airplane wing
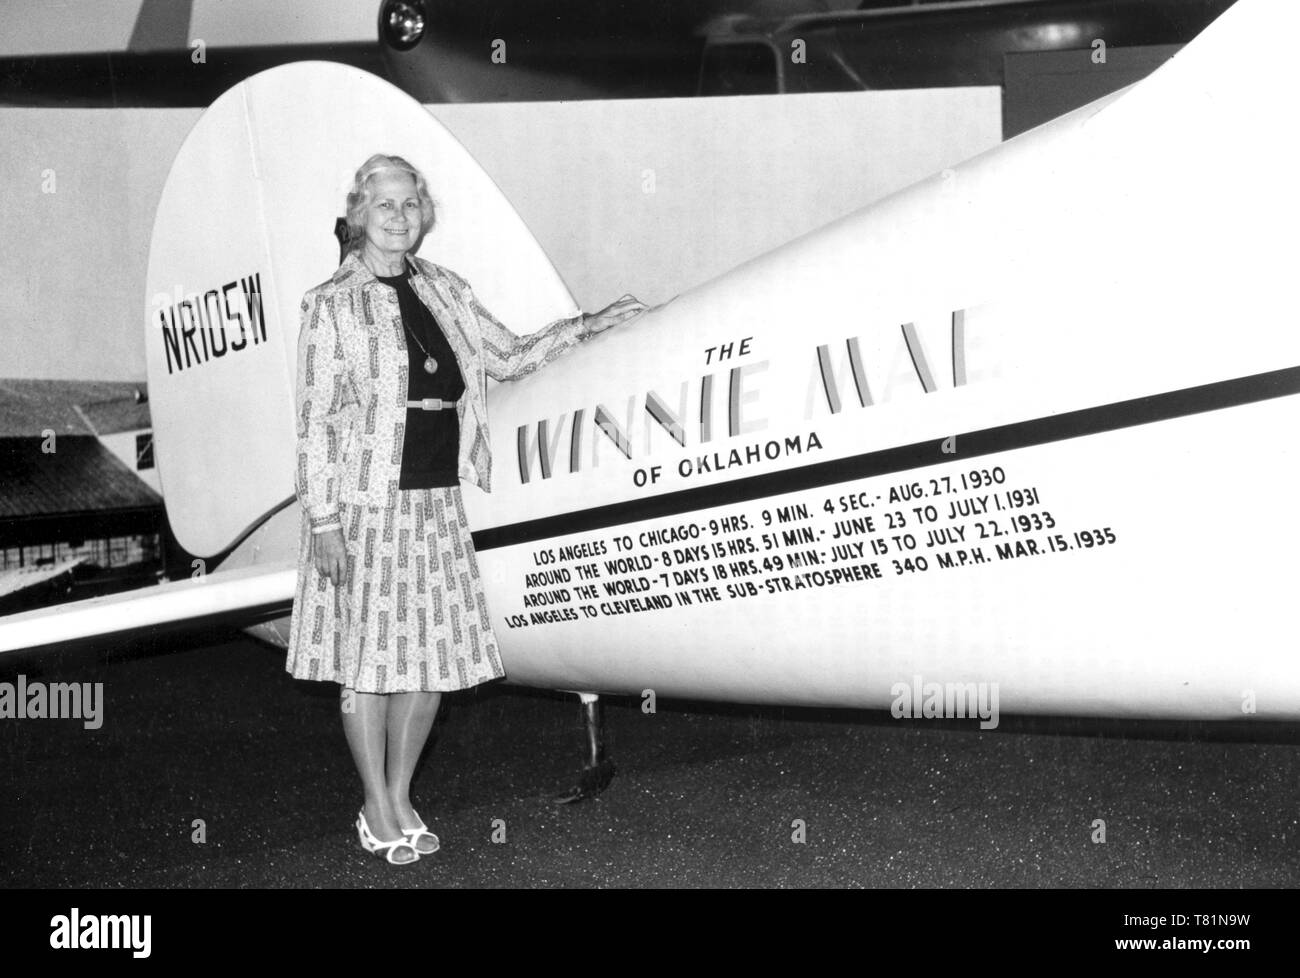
{"x": 248, "y": 592}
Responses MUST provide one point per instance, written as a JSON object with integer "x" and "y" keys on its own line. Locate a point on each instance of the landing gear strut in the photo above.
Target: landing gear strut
{"x": 598, "y": 771}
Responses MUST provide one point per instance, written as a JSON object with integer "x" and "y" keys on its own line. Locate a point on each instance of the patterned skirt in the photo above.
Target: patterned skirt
{"x": 411, "y": 615}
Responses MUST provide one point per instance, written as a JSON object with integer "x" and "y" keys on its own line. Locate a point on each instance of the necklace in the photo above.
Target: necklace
{"x": 430, "y": 364}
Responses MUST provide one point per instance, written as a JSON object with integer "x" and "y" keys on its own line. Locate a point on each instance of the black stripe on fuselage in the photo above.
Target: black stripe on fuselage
{"x": 972, "y": 444}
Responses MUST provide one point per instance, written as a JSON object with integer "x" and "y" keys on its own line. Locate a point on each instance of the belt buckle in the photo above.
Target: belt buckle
{"x": 432, "y": 403}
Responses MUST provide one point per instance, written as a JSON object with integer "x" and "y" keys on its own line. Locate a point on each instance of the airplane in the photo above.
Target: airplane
{"x": 449, "y": 51}
{"x": 1023, "y": 425}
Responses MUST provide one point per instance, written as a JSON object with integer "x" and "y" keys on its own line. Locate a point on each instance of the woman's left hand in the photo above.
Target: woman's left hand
{"x": 613, "y": 314}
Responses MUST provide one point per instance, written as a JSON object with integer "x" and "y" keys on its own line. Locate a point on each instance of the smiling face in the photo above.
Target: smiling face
{"x": 392, "y": 218}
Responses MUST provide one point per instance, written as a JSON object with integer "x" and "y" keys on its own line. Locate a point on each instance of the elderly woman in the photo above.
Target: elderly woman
{"x": 392, "y": 364}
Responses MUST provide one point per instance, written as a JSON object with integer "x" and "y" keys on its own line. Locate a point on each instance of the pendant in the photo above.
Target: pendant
{"x": 430, "y": 365}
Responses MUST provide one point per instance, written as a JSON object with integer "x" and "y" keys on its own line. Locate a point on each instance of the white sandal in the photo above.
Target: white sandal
{"x": 413, "y": 835}
{"x": 385, "y": 849}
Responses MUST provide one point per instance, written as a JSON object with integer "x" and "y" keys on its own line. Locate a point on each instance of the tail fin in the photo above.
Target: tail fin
{"x": 244, "y": 228}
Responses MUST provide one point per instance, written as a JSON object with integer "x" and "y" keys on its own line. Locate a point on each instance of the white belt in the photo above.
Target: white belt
{"x": 433, "y": 404}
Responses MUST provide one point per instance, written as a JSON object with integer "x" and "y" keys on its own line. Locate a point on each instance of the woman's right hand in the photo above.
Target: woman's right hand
{"x": 329, "y": 555}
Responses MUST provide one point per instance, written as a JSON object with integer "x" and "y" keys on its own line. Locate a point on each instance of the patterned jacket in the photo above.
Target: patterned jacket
{"x": 352, "y": 382}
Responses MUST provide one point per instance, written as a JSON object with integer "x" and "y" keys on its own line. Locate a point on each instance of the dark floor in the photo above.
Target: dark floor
{"x": 705, "y": 795}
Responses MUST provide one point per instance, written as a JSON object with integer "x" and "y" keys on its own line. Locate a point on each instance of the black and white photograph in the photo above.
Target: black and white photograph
{"x": 650, "y": 445}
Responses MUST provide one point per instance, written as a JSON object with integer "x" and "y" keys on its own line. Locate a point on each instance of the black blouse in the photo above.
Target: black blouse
{"x": 431, "y": 445}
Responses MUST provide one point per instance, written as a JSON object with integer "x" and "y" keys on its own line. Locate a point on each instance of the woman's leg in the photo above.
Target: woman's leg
{"x": 365, "y": 723}
{"x": 410, "y": 718}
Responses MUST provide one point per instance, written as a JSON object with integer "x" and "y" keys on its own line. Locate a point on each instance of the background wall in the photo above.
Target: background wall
{"x": 33, "y": 27}
{"x": 644, "y": 196}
